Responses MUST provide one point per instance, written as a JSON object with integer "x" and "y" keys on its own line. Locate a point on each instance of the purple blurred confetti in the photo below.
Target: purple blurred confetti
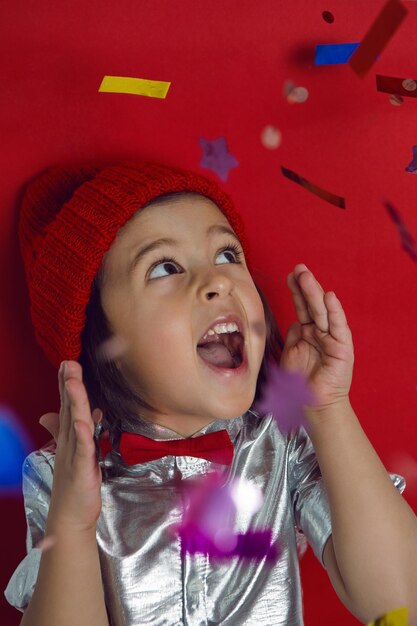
{"x": 250, "y": 545}
{"x": 207, "y": 524}
{"x": 412, "y": 166}
{"x": 217, "y": 157}
{"x": 407, "y": 241}
{"x": 284, "y": 394}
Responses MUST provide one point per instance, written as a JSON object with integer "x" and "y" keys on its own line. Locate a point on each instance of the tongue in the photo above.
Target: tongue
{"x": 217, "y": 354}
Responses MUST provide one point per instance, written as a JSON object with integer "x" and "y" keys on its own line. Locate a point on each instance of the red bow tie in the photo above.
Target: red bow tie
{"x": 134, "y": 448}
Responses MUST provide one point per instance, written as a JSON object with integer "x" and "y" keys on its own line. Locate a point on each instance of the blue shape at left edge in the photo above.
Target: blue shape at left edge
{"x": 334, "y": 53}
{"x": 14, "y": 447}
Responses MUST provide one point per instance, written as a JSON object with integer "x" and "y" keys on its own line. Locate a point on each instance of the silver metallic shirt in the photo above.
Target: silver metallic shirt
{"x": 145, "y": 579}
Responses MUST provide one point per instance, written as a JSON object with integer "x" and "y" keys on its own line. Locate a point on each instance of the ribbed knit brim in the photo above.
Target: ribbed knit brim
{"x": 70, "y": 217}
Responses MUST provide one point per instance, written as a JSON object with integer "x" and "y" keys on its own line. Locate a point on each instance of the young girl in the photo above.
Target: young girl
{"x": 151, "y": 258}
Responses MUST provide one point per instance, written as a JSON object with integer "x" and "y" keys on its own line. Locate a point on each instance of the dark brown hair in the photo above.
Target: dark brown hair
{"x": 107, "y": 388}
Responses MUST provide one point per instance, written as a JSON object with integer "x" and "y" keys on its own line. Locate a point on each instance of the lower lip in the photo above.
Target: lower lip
{"x": 227, "y": 371}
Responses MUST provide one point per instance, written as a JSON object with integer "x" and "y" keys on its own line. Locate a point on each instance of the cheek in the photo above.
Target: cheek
{"x": 256, "y": 317}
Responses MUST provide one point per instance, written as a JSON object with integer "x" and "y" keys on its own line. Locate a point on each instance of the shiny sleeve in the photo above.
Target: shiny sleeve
{"x": 308, "y": 493}
{"x": 37, "y": 476}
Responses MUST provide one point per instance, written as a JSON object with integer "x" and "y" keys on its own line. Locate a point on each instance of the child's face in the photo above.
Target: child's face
{"x": 161, "y": 312}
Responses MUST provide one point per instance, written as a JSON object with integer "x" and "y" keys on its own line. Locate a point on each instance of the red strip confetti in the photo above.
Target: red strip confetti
{"x": 377, "y": 37}
{"x": 407, "y": 241}
{"x": 399, "y": 86}
{"x": 319, "y": 191}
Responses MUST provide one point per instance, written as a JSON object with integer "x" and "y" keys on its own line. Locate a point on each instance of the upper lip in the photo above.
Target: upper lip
{"x": 225, "y": 319}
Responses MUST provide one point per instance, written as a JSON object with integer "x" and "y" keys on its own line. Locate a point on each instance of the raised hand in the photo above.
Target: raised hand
{"x": 320, "y": 344}
{"x": 76, "y": 498}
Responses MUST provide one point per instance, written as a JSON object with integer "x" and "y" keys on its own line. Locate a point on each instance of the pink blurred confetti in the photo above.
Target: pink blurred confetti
{"x": 216, "y": 157}
{"x": 407, "y": 241}
{"x": 111, "y": 349}
{"x": 207, "y": 524}
{"x": 285, "y": 394}
{"x": 271, "y": 137}
{"x": 46, "y": 543}
{"x": 403, "y": 463}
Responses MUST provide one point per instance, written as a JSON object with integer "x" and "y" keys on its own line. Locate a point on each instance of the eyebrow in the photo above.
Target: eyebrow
{"x": 158, "y": 243}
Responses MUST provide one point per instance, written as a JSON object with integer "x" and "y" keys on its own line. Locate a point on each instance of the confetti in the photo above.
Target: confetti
{"x": 298, "y": 94}
{"x": 216, "y": 157}
{"x": 407, "y": 241}
{"x": 398, "y": 86}
{"x": 334, "y": 53}
{"x": 399, "y": 617}
{"x": 322, "y": 193}
{"x": 285, "y": 394}
{"x": 409, "y": 84}
{"x": 396, "y": 100}
{"x": 111, "y": 349}
{"x": 135, "y": 86}
{"x": 271, "y": 137}
{"x": 207, "y": 524}
{"x": 412, "y": 166}
{"x": 15, "y": 445}
{"x": 406, "y": 466}
{"x": 377, "y": 37}
{"x": 328, "y": 17}
{"x": 46, "y": 543}
{"x": 288, "y": 87}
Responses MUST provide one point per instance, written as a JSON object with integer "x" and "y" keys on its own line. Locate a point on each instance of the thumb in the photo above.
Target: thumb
{"x": 50, "y": 421}
{"x": 293, "y": 335}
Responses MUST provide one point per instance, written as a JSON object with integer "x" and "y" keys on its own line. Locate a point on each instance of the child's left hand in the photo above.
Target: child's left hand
{"x": 319, "y": 345}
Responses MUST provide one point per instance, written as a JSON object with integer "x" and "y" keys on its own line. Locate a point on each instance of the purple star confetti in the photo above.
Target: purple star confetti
{"x": 216, "y": 157}
{"x": 412, "y": 166}
{"x": 407, "y": 241}
{"x": 285, "y": 394}
{"x": 207, "y": 524}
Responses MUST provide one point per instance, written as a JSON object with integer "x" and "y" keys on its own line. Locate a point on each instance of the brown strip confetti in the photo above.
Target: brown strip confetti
{"x": 322, "y": 193}
{"x": 377, "y": 37}
{"x": 399, "y": 86}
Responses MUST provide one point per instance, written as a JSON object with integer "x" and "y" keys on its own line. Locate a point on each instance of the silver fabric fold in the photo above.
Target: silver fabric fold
{"x": 145, "y": 579}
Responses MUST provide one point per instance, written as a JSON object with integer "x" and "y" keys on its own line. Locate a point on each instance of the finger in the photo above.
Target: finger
{"x": 79, "y": 403}
{"x": 84, "y": 450}
{"x": 314, "y": 296}
{"x": 338, "y": 325}
{"x": 72, "y": 370}
{"x": 300, "y": 302}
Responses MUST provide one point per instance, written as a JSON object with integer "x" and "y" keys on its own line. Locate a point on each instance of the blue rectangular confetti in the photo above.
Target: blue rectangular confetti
{"x": 334, "y": 53}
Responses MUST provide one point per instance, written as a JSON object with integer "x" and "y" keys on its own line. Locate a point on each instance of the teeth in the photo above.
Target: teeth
{"x": 218, "y": 329}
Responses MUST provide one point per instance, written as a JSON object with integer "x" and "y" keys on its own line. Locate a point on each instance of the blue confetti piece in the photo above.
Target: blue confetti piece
{"x": 14, "y": 447}
{"x": 334, "y": 53}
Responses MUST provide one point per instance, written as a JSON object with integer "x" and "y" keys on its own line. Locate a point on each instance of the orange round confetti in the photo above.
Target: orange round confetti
{"x": 409, "y": 84}
{"x": 396, "y": 100}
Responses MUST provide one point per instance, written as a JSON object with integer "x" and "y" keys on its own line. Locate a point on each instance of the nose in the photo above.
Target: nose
{"x": 215, "y": 283}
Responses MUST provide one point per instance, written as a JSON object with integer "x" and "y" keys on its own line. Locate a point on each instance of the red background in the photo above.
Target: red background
{"x": 227, "y": 61}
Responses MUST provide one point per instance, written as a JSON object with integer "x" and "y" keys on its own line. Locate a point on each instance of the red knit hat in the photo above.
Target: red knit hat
{"x": 70, "y": 217}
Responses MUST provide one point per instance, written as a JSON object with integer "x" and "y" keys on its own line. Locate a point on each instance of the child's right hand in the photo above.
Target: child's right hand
{"x": 76, "y": 498}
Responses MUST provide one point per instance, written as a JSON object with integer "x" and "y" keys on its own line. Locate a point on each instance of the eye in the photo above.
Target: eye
{"x": 170, "y": 262}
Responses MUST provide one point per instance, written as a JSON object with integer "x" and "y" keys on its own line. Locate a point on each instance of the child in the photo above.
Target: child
{"x": 99, "y": 266}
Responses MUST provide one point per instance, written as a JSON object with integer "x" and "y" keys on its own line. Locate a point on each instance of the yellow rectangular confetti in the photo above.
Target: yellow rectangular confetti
{"x": 399, "y": 617}
{"x": 136, "y": 86}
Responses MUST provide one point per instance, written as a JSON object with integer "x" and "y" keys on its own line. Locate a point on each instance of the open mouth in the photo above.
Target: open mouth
{"x": 225, "y": 350}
